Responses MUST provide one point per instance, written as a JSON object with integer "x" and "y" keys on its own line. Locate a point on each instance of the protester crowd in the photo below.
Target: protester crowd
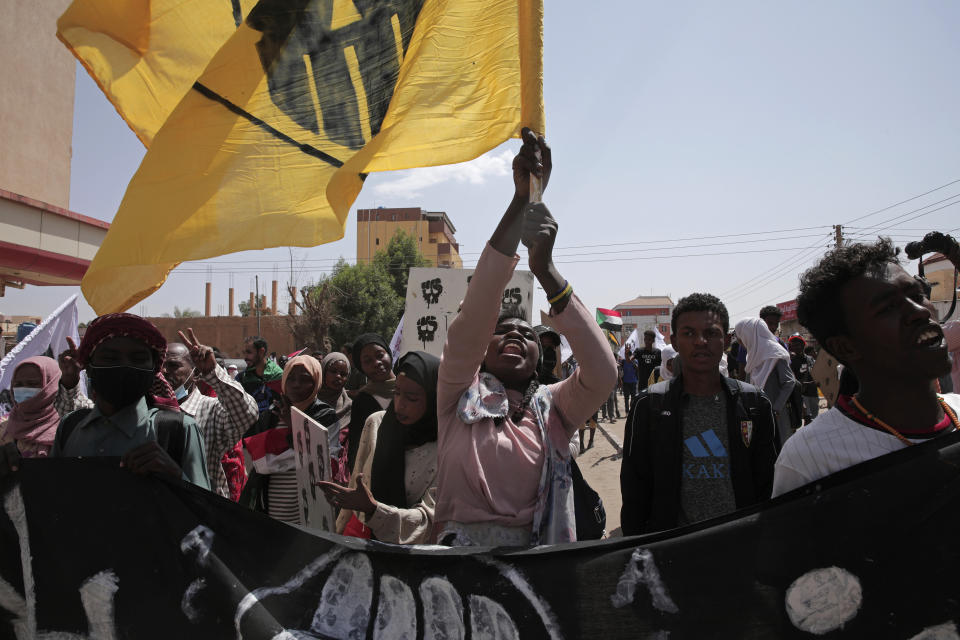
{"x": 479, "y": 446}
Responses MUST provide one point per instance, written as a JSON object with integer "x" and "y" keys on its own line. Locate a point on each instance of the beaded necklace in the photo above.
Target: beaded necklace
{"x": 899, "y": 436}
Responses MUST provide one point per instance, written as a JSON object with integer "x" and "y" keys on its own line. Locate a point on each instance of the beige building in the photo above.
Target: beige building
{"x": 939, "y": 273}
{"x": 42, "y": 242}
{"x": 646, "y": 312}
{"x": 432, "y": 230}
{"x": 36, "y": 102}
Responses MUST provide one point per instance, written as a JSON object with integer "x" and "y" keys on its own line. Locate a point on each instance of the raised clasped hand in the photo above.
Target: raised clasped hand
{"x": 534, "y": 158}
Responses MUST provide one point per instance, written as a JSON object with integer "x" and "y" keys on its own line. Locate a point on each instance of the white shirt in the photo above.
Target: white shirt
{"x": 831, "y": 443}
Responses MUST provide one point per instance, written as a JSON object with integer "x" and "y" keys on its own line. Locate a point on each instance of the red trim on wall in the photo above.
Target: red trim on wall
{"x": 15, "y": 256}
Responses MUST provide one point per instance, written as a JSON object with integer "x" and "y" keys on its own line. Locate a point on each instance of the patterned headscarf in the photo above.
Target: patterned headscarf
{"x": 122, "y": 325}
{"x": 128, "y": 325}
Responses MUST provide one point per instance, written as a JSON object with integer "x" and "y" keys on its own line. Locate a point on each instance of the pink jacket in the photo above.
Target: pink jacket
{"x": 489, "y": 473}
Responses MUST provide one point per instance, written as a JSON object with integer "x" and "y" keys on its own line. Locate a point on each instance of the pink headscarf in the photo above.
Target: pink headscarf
{"x": 36, "y": 419}
{"x": 313, "y": 367}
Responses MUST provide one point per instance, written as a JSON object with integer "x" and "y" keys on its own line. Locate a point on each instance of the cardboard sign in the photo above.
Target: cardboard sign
{"x": 827, "y": 375}
{"x": 313, "y": 464}
{"x": 433, "y": 301}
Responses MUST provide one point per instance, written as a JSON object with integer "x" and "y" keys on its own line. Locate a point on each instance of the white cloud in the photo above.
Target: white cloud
{"x": 412, "y": 182}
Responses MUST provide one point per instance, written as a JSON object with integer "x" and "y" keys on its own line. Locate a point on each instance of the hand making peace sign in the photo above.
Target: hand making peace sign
{"x": 202, "y": 355}
{"x": 69, "y": 367}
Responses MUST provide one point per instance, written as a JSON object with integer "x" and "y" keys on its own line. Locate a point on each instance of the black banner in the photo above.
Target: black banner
{"x": 88, "y": 550}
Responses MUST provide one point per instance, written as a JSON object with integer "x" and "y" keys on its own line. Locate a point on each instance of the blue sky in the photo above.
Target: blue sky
{"x": 671, "y": 123}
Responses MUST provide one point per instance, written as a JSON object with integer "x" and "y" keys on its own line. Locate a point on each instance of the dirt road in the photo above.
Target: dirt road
{"x": 600, "y": 466}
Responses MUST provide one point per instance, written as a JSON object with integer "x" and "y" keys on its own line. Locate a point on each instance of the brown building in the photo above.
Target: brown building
{"x": 432, "y": 230}
{"x": 939, "y": 272}
{"x": 646, "y": 312}
{"x": 228, "y": 333}
{"x": 41, "y": 241}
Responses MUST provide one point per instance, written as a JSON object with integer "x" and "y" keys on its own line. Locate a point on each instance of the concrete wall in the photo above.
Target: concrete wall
{"x": 227, "y": 333}
{"x": 36, "y": 102}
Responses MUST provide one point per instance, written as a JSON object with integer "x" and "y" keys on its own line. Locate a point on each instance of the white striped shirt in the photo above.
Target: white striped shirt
{"x": 833, "y": 442}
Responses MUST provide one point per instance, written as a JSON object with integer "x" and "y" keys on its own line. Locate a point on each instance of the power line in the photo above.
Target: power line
{"x": 776, "y": 277}
{"x": 903, "y": 215}
{"x": 926, "y": 213}
{"x": 779, "y": 266}
{"x": 578, "y": 246}
{"x": 873, "y": 213}
{"x": 592, "y": 260}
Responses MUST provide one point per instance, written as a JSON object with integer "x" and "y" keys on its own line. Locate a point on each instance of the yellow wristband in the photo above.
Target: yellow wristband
{"x": 567, "y": 290}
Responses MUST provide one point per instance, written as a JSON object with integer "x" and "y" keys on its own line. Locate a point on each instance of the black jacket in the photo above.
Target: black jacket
{"x": 652, "y": 466}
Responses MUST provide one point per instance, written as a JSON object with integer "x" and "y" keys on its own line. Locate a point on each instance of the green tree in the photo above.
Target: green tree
{"x": 364, "y": 300}
{"x": 400, "y": 255}
{"x": 360, "y": 298}
{"x": 245, "y": 310}
{"x": 186, "y": 313}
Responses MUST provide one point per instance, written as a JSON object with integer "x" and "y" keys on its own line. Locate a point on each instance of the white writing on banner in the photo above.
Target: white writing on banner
{"x": 433, "y": 301}
{"x": 313, "y": 464}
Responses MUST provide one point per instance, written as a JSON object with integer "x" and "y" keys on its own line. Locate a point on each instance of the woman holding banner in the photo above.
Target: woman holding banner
{"x": 272, "y": 485}
{"x": 394, "y": 488}
{"x": 504, "y": 477}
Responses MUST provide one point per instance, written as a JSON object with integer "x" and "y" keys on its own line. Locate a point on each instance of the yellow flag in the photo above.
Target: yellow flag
{"x": 269, "y": 145}
{"x": 146, "y": 55}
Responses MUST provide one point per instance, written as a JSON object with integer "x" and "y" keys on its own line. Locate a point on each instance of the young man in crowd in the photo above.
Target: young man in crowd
{"x": 222, "y": 419}
{"x": 875, "y": 318}
{"x": 261, "y": 378}
{"x": 771, "y": 315}
{"x": 699, "y": 445}
{"x": 802, "y": 366}
{"x": 647, "y": 358}
{"x": 135, "y": 415}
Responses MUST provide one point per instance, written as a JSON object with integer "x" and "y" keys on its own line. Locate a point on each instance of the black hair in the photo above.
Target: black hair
{"x": 771, "y": 310}
{"x": 700, "y": 302}
{"x": 650, "y": 332}
{"x": 257, "y": 342}
{"x": 819, "y": 303}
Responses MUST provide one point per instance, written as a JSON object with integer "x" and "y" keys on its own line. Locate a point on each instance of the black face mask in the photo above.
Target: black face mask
{"x": 549, "y": 359}
{"x": 120, "y": 386}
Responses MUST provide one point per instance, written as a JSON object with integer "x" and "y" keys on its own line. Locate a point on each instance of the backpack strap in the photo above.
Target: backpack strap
{"x": 749, "y": 399}
{"x": 171, "y": 434}
{"x": 69, "y": 423}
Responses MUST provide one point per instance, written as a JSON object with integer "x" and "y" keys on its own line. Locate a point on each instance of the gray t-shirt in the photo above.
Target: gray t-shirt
{"x": 706, "y": 490}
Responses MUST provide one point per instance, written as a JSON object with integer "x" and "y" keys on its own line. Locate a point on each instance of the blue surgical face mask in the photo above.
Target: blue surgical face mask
{"x": 181, "y": 393}
{"x": 22, "y": 394}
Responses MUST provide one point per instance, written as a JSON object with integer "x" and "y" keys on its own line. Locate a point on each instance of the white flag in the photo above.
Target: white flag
{"x": 397, "y": 339}
{"x": 633, "y": 342}
{"x": 50, "y": 334}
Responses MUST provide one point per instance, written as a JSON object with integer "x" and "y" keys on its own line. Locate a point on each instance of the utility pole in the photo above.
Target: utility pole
{"x": 838, "y": 229}
{"x": 257, "y": 298}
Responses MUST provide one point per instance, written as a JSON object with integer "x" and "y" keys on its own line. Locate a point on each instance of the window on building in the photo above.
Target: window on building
{"x": 378, "y": 241}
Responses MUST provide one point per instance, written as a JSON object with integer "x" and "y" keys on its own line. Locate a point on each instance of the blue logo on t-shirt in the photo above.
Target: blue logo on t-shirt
{"x": 714, "y": 448}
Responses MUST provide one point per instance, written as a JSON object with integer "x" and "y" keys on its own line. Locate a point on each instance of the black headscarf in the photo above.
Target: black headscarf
{"x": 389, "y": 468}
{"x": 364, "y": 340}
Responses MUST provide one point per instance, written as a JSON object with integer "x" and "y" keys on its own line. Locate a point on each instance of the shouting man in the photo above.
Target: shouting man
{"x": 875, "y": 318}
